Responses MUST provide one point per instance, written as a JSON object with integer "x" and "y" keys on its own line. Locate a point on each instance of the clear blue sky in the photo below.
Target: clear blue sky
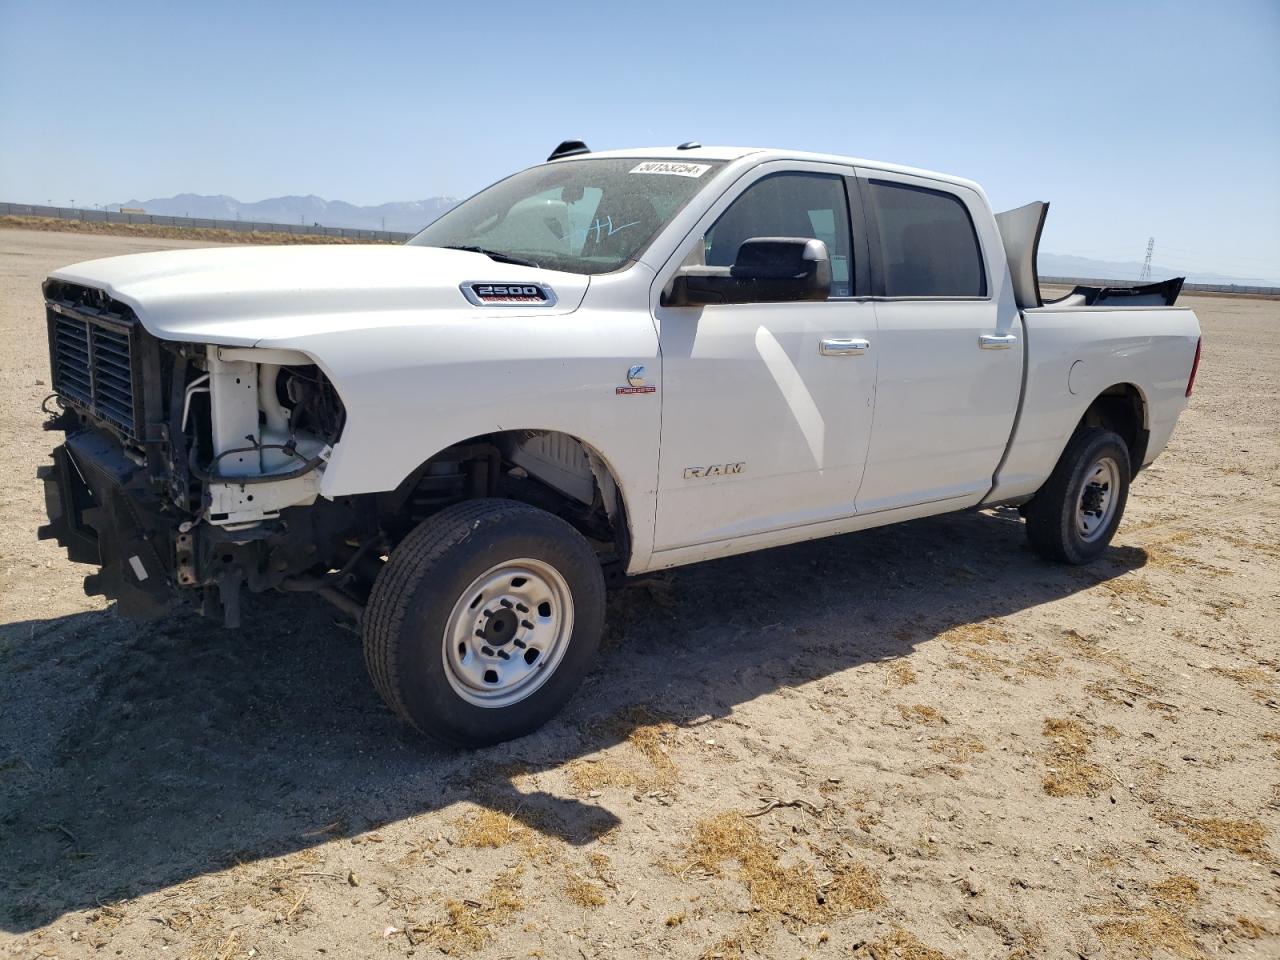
{"x": 1134, "y": 119}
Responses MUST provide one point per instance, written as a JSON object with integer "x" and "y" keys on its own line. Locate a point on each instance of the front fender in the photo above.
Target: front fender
{"x": 414, "y": 389}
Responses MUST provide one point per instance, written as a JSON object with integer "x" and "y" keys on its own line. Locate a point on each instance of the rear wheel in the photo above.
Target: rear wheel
{"x": 1075, "y": 514}
{"x": 484, "y": 621}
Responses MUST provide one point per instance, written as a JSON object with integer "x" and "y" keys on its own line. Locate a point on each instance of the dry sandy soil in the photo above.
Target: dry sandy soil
{"x": 918, "y": 742}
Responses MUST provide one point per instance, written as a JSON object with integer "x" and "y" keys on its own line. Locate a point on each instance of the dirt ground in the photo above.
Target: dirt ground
{"x": 918, "y": 742}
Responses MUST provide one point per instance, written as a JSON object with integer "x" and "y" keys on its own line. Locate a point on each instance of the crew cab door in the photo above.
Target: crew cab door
{"x": 766, "y": 407}
{"x": 949, "y": 346}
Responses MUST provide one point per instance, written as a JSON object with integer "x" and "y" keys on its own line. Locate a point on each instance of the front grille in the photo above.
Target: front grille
{"x": 92, "y": 353}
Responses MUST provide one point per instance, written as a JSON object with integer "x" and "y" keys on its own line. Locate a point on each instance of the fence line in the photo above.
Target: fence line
{"x": 244, "y": 226}
{"x": 1189, "y": 287}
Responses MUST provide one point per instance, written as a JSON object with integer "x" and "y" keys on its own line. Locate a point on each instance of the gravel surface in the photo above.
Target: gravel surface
{"x": 915, "y": 742}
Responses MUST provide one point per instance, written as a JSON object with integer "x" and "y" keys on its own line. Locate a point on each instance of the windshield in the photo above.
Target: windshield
{"x": 582, "y": 216}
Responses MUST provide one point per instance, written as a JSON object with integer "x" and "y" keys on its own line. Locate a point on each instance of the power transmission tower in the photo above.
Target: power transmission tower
{"x": 1145, "y": 275}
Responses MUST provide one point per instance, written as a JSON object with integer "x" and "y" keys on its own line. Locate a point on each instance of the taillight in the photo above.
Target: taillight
{"x": 1195, "y": 365}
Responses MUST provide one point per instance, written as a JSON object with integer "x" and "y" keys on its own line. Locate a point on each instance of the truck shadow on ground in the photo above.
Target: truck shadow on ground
{"x": 133, "y": 757}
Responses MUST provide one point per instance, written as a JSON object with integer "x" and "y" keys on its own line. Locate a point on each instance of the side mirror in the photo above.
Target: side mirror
{"x": 767, "y": 270}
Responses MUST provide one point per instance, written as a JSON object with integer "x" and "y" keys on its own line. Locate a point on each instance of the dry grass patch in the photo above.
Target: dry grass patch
{"x": 1244, "y": 838}
{"x": 600, "y": 867}
{"x": 490, "y": 829}
{"x": 979, "y": 661}
{"x": 735, "y": 947}
{"x": 272, "y": 892}
{"x": 980, "y": 634}
{"x": 903, "y": 675}
{"x": 1177, "y": 563}
{"x": 1178, "y": 890}
{"x": 1246, "y": 676}
{"x": 1132, "y": 586}
{"x": 1272, "y": 737}
{"x": 973, "y": 642}
{"x": 1089, "y": 649}
{"x": 1039, "y": 663}
{"x": 1069, "y": 773}
{"x": 221, "y": 949}
{"x": 582, "y": 891}
{"x": 790, "y": 892}
{"x": 923, "y": 713}
{"x": 1254, "y": 546}
{"x": 899, "y": 945}
{"x": 1250, "y": 929}
{"x": 958, "y": 749}
{"x": 650, "y": 737}
{"x": 1159, "y": 554}
{"x": 469, "y": 924}
{"x": 1158, "y": 927}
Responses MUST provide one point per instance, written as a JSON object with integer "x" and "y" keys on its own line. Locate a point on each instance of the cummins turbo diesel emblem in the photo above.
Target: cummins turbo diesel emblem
{"x": 636, "y": 384}
{"x": 715, "y": 470}
{"x": 509, "y": 294}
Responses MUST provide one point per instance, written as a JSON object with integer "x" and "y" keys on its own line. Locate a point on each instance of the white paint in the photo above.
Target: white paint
{"x": 924, "y": 413}
{"x": 944, "y": 406}
{"x": 1075, "y": 377}
{"x": 804, "y": 409}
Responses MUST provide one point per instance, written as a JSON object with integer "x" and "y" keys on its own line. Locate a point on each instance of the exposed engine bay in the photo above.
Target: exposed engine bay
{"x": 199, "y": 467}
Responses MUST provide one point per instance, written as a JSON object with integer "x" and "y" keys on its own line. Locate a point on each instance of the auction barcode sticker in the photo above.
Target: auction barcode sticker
{"x": 673, "y": 169}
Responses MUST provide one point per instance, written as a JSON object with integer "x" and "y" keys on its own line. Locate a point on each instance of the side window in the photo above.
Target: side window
{"x": 928, "y": 245}
{"x": 788, "y": 205}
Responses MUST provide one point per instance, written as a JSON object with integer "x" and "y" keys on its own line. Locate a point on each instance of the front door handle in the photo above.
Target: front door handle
{"x": 995, "y": 341}
{"x": 843, "y": 348}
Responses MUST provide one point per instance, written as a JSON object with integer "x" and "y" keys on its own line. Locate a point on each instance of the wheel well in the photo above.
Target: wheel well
{"x": 545, "y": 468}
{"x": 1121, "y": 408}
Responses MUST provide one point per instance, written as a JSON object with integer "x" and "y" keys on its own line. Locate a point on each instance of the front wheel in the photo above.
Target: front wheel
{"x": 1075, "y": 514}
{"x": 484, "y": 621}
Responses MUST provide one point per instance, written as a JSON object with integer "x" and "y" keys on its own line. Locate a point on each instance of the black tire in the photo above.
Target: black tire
{"x": 415, "y": 594}
{"x": 1052, "y": 514}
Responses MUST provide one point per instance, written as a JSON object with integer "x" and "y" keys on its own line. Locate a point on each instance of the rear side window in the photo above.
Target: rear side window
{"x": 788, "y": 205}
{"x": 928, "y": 245}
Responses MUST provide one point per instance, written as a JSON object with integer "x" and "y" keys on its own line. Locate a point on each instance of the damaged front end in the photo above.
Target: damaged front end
{"x": 191, "y": 469}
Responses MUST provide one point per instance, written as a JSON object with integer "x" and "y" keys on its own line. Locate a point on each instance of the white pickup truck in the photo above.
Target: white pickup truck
{"x": 606, "y": 364}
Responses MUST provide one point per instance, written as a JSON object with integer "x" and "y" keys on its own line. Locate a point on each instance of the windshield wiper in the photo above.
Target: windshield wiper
{"x": 497, "y": 255}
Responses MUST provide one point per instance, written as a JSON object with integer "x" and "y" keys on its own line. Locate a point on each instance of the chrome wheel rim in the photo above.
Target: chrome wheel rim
{"x": 508, "y": 632}
{"x": 1096, "y": 504}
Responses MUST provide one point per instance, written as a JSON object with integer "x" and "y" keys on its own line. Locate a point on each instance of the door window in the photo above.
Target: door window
{"x": 927, "y": 242}
{"x": 809, "y": 205}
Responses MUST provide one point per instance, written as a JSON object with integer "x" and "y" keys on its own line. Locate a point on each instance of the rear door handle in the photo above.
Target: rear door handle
{"x": 995, "y": 341}
{"x": 843, "y": 348}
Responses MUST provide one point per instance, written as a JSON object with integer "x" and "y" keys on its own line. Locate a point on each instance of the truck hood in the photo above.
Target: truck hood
{"x": 240, "y": 296}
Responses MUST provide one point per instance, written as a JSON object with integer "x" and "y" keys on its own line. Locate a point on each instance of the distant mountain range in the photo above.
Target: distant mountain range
{"x": 1061, "y": 265}
{"x": 403, "y": 217}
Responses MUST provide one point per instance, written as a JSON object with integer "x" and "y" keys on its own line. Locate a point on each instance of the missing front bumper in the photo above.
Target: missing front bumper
{"x": 99, "y": 512}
